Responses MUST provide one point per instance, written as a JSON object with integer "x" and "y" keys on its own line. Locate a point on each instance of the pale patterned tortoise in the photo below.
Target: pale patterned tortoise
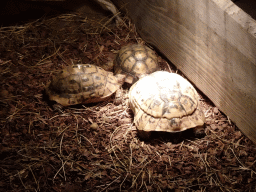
{"x": 83, "y": 83}
{"x": 164, "y": 101}
{"x": 135, "y": 61}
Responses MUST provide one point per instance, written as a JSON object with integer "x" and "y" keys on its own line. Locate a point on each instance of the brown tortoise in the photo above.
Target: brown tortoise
{"x": 83, "y": 83}
{"x": 135, "y": 61}
{"x": 164, "y": 101}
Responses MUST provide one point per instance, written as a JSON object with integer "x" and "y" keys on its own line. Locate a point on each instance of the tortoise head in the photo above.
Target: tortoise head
{"x": 121, "y": 78}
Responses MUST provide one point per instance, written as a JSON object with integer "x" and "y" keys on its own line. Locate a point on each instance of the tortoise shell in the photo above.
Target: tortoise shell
{"x": 164, "y": 101}
{"x": 135, "y": 61}
{"x": 81, "y": 84}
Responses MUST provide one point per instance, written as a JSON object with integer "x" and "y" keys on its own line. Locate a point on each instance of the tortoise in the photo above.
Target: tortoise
{"x": 165, "y": 102}
{"x": 135, "y": 61}
{"x": 82, "y": 84}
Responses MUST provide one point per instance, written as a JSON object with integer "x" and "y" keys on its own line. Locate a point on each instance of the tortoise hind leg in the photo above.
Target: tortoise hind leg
{"x": 144, "y": 135}
{"x": 199, "y": 131}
